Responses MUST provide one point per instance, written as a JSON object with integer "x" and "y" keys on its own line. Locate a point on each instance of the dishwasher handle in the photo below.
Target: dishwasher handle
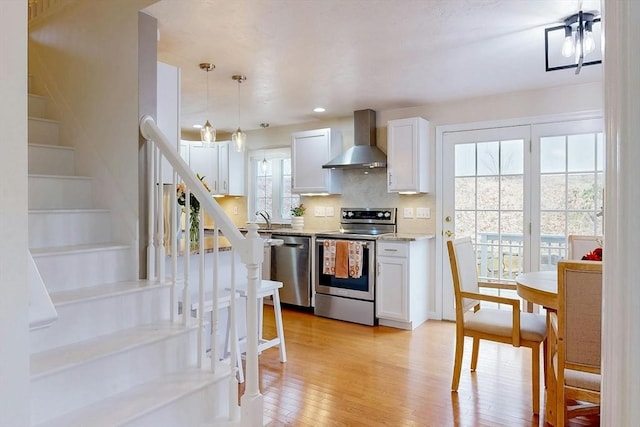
{"x": 293, "y": 245}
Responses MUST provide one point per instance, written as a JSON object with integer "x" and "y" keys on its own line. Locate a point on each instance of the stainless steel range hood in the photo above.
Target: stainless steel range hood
{"x": 364, "y": 153}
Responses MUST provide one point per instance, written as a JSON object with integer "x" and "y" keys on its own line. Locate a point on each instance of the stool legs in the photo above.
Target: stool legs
{"x": 279, "y": 329}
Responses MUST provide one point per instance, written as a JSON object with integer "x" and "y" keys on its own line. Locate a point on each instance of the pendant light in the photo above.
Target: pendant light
{"x": 239, "y": 138}
{"x": 207, "y": 132}
{"x": 264, "y": 165}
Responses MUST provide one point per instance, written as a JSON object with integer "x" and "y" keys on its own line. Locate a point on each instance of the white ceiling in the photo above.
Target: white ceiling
{"x": 347, "y": 55}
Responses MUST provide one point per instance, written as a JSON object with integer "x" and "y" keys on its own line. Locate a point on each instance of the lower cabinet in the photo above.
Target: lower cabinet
{"x": 402, "y": 283}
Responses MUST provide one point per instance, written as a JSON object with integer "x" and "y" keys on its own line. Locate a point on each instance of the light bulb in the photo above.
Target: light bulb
{"x": 207, "y": 134}
{"x": 567, "y": 45}
{"x": 264, "y": 165}
{"x": 589, "y": 42}
{"x": 239, "y": 140}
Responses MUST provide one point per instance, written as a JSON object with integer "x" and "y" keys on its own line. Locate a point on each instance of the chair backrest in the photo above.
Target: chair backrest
{"x": 580, "y": 314}
{"x": 462, "y": 258}
{"x": 579, "y": 245}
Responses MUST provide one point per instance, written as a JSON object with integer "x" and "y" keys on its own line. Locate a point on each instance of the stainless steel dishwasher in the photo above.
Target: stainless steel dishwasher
{"x": 291, "y": 265}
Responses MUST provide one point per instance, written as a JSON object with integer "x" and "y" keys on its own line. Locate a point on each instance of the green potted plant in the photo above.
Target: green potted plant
{"x": 297, "y": 219}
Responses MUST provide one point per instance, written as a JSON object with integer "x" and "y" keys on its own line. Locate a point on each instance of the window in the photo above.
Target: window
{"x": 271, "y": 190}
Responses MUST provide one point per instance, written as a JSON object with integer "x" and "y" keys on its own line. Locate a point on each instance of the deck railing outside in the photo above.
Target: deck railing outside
{"x": 500, "y": 255}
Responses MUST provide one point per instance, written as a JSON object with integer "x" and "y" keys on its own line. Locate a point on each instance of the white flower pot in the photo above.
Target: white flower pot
{"x": 297, "y": 222}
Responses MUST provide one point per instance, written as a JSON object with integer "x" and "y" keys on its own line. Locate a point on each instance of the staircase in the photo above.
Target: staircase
{"x": 113, "y": 357}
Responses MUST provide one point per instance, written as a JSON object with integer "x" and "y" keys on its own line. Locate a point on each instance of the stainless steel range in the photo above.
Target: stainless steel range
{"x": 351, "y": 298}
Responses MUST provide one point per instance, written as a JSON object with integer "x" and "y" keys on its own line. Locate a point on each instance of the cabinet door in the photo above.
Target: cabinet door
{"x": 236, "y": 172}
{"x": 407, "y": 155}
{"x": 391, "y": 288}
{"x": 223, "y": 168}
{"x": 309, "y": 151}
{"x": 204, "y": 161}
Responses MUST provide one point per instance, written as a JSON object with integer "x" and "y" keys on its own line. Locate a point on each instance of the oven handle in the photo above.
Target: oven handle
{"x": 366, "y": 244}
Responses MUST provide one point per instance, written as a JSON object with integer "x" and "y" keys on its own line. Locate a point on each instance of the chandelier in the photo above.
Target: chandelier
{"x": 239, "y": 138}
{"x": 574, "y": 44}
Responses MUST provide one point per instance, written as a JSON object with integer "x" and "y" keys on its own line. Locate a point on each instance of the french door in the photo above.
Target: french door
{"x": 518, "y": 192}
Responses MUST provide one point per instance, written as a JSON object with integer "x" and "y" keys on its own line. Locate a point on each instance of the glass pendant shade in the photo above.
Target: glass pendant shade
{"x": 207, "y": 134}
{"x": 264, "y": 165}
{"x": 239, "y": 140}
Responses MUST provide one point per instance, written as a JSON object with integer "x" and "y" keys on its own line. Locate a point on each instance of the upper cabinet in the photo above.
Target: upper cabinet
{"x": 309, "y": 151}
{"x": 408, "y": 154}
{"x": 221, "y": 166}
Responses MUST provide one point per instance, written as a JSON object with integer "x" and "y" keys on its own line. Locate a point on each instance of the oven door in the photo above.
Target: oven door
{"x": 360, "y": 288}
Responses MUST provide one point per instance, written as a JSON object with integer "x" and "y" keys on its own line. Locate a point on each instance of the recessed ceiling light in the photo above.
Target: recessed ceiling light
{"x": 319, "y": 110}
{"x": 197, "y": 126}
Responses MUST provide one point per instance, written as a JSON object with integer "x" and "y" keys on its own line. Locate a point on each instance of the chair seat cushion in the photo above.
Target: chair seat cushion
{"x": 533, "y": 326}
{"x": 579, "y": 379}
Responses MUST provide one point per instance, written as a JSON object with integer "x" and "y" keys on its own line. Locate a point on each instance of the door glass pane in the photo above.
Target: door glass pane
{"x": 464, "y": 188}
{"x": 465, "y": 164}
{"x": 488, "y": 158}
{"x": 570, "y": 194}
{"x": 489, "y": 204}
{"x": 552, "y": 154}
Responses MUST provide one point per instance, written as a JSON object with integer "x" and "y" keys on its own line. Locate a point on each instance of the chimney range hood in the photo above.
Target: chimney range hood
{"x": 364, "y": 153}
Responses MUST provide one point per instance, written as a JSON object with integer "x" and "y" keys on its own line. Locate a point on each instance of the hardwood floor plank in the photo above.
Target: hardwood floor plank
{"x": 342, "y": 374}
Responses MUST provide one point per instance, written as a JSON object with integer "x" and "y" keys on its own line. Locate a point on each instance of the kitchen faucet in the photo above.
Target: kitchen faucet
{"x": 264, "y": 214}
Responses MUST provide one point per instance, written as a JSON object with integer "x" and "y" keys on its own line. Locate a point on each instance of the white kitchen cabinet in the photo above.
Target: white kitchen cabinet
{"x": 309, "y": 151}
{"x": 402, "y": 283}
{"x": 408, "y": 153}
{"x": 222, "y": 167}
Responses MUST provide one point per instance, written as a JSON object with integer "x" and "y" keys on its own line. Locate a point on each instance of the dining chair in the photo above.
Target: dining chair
{"x": 574, "y": 335}
{"x": 579, "y": 245}
{"x": 480, "y": 323}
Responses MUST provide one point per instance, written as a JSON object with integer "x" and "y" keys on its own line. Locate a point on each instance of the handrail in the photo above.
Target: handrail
{"x": 249, "y": 248}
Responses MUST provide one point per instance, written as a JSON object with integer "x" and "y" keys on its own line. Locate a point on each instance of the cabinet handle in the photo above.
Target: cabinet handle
{"x": 378, "y": 268}
{"x": 389, "y": 175}
{"x": 391, "y": 250}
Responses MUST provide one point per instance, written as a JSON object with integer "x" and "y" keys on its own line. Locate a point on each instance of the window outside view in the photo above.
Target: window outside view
{"x": 273, "y": 187}
{"x": 490, "y": 200}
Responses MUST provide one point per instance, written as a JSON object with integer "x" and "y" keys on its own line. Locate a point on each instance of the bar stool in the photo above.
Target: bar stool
{"x": 267, "y": 288}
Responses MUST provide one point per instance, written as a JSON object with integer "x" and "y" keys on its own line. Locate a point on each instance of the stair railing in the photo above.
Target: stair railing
{"x": 249, "y": 248}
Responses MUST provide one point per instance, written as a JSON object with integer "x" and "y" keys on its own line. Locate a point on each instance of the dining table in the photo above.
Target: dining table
{"x": 541, "y": 288}
{"x": 538, "y": 287}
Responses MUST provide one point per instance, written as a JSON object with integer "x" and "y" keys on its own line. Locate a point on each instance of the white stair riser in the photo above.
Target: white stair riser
{"x": 58, "y": 393}
{"x": 49, "y": 192}
{"x": 205, "y": 404}
{"x": 43, "y": 131}
{"x": 51, "y": 160}
{"x": 68, "y": 228}
{"x": 91, "y": 318}
{"x": 37, "y": 106}
{"x": 61, "y": 272}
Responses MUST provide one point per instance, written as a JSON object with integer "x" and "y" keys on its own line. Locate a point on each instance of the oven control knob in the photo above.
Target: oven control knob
{"x": 344, "y": 214}
{"x": 387, "y": 214}
{"x": 380, "y": 214}
{"x": 350, "y": 213}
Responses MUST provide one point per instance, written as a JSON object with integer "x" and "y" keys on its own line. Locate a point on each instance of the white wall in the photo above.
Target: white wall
{"x": 14, "y": 322}
{"x": 85, "y": 57}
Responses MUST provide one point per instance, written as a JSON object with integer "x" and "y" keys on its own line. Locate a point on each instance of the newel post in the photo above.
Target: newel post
{"x": 252, "y": 405}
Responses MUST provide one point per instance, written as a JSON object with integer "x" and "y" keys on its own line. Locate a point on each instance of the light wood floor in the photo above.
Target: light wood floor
{"x": 343, "y": 374}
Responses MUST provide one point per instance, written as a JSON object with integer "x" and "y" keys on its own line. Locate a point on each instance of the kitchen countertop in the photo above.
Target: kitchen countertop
{"x": 407, "y": 237}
